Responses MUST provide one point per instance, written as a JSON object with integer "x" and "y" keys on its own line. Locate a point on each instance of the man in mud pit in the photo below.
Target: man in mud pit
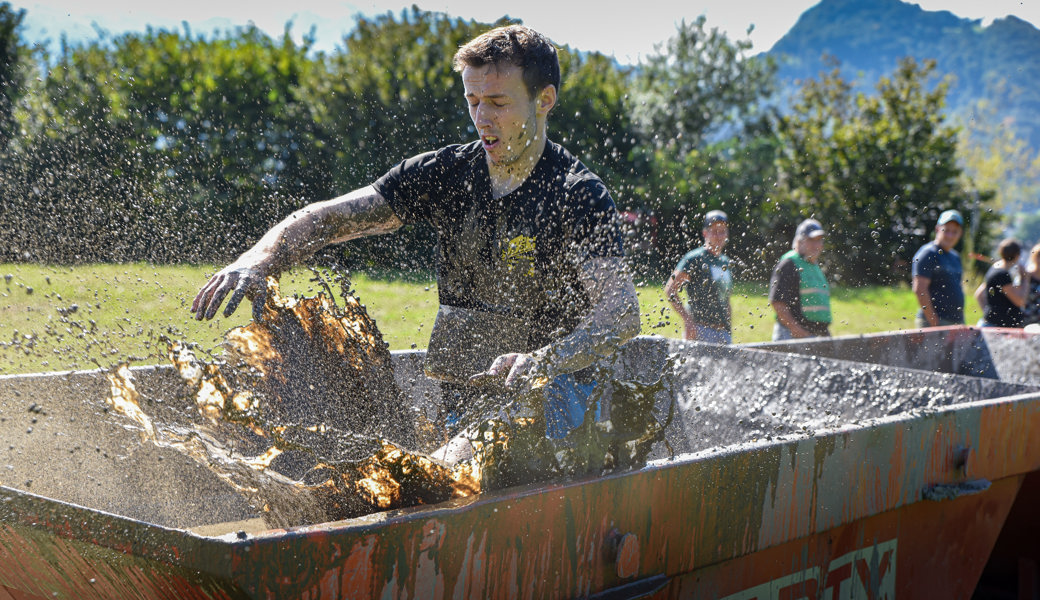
{"x": 530, "y": 275}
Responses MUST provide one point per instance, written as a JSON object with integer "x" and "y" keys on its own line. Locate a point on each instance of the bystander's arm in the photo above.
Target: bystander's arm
{"x": 924, "y": 299}
{"x": 1017, "y": 293}
{"x": 786, "y": 318}
{"x": 672, "y": 288}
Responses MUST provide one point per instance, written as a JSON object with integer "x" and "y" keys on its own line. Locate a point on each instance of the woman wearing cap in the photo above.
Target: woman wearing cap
{"x": 798, "y": 289}
{"x": 999, "y": 296}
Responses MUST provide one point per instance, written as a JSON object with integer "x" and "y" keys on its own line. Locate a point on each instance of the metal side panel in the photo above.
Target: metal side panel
{"x": 671, "y": 518}
{"x": 49, "y": 549}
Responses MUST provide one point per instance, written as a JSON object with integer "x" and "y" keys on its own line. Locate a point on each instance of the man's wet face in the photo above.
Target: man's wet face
{"x": 715, "y": 236}
{"x": 812, "y": 247}
{"x": 502, "y": 111}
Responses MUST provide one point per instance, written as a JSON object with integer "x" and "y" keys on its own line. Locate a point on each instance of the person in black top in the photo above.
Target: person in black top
{"x": 531, "y": 279}
{"x": 999, "y": 296}
{"x": 1032, "y": 275}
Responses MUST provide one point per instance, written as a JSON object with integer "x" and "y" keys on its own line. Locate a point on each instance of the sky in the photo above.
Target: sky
{"x": 628, "y": 34}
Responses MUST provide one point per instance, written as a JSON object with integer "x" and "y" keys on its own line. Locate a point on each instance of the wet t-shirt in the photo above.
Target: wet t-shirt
{"x": 518, "y": 255}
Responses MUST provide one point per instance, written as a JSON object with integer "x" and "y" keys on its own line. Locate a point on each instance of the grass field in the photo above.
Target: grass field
{"x": 56, "y": 318}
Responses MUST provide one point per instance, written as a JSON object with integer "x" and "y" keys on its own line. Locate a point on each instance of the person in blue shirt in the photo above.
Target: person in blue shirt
{"x": 937, "y": 275}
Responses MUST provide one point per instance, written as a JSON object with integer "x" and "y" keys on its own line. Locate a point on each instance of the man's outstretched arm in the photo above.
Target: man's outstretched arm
{"x": 360, "y": 213}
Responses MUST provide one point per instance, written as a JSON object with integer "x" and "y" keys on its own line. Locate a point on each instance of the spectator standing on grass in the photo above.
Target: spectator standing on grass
{"x": 1031, "y": 311}
{"x": 1003, "y": 294}
{"x": 798, "y": 289}
{"x": 706, "y": 276}
{"x": 937, "y": 274}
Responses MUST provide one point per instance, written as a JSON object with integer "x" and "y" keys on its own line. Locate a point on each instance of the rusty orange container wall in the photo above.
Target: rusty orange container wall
{"x": 902, "y": 506}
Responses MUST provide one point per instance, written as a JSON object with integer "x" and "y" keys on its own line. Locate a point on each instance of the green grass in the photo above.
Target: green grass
{"x": 855, "y": 311}
{"x": 121, "y": 311}
{"x": 56, "y": 318}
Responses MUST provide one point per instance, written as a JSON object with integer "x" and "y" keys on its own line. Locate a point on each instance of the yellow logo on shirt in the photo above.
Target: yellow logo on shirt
{"x": 519, "y": 254}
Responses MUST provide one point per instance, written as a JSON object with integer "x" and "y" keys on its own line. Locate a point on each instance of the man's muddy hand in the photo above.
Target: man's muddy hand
{"x": 514, "y": 371}
{"x": 240, "y": 282}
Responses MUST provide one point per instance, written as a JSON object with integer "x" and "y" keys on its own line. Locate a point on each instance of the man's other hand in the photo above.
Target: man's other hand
{"x": 518, "y": 370}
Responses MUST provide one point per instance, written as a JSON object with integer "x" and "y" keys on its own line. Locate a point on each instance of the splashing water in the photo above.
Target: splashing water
{"x": 304, "y": 419}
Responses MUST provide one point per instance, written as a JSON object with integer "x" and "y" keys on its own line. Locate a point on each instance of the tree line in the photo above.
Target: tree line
{"x": 170, "y": 146}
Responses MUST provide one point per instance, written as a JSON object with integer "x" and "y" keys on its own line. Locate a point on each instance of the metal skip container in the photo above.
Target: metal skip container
{"x": 785, "y": 475}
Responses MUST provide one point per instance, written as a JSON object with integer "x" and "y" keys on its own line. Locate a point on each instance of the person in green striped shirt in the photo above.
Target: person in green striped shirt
{"x": 798, "y": 289}
{"x": 706, "y": 276}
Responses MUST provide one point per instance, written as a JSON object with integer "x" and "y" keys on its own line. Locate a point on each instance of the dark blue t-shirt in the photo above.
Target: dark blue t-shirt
{"x": 944, "y": 270}
{"x": 519, "y": 255}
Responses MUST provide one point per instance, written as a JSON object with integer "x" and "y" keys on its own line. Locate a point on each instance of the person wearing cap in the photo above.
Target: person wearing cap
{"x": 705, "y": 274}
{"x": 937, "y": 275}
{"x": 798, "y": 289}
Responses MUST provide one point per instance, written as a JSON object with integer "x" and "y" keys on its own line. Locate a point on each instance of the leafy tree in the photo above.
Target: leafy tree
{"x": 12, "y": 78}
{"x": 593, "y": 119}
{"x": 875, "y": 169}
{"x": 223, "y": 121}
{"x": 700, "y": 105}
{"x": 167, "y": 147}
{"x": 1027, "y": 228}
{"x": 700, "y": 84}
{"x": 994, "y": 157}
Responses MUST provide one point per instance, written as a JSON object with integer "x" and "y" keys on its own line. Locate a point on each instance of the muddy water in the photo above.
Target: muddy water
{"x": 303, "y": 418}
{"x": 728, "y": 395}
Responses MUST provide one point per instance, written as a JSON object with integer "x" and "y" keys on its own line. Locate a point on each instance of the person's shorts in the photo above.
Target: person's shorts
{"x": 781, "y": 333}
{"x": 921, "y": 322}
{"x": 565, "y": 403}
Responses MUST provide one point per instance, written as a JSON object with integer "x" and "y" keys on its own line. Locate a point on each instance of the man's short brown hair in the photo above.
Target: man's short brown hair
{"x": 516, "y": 45}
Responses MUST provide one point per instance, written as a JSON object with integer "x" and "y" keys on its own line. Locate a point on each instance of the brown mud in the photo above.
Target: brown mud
{"x": 303, "y": 417}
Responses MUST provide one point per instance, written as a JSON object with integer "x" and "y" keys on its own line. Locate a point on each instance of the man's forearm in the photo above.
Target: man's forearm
{"x": 671, "y": 291}
{"x": 301, "y": 234}
{"x": 613, "y": 320}
{"x": 297, "y": 237}
{"x": 928, "y": 310}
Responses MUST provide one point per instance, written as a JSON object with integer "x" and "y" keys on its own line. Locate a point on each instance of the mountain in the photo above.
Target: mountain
{"x": 997, "y": 63}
